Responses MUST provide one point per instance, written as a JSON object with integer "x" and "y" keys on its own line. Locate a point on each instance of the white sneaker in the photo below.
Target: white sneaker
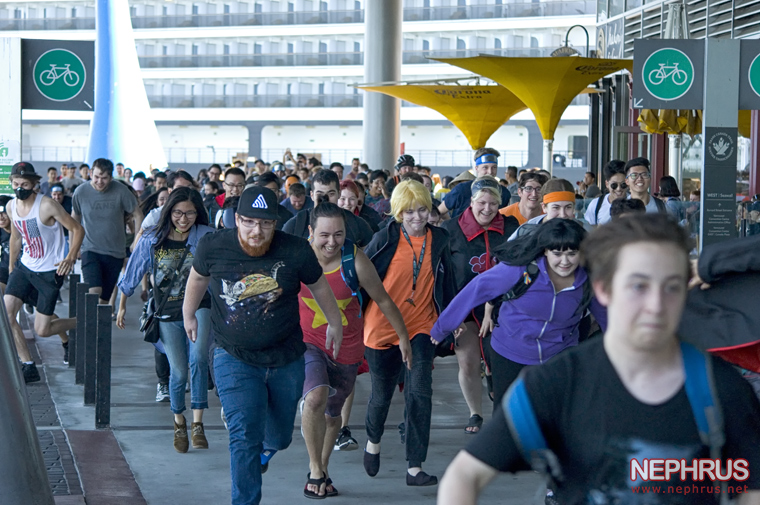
{"x": 162, "y": 392}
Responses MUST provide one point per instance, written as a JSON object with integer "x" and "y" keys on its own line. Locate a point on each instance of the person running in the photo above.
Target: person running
{"x": 254, "y": 274}
{"x": 528, "y": 192}
{"x": 165, "y": 249}
{"x": 557, "y": 201}
{"x": 377, "y": 197}
{"x": 100, "y": 206}
{"x": 475, "y": 236}
{"x": 457, "y": 201}
{"x": 638, "y": 176}
{"x": 178, "y": 179}
{"x": 5, "y": 241}
{"x": 233, "y": 185}
{"x": 271, "y": 181}
{"x": 330, "y": 381}
{"x": 544, "y": 320}
{"x": 373, "y": 217}
{"x": 598, "y": 211}
{"x": 413, "y": 260}
{"x": 619, "y": 399}
{"x": 38, "y": 228}
{"x": 69, "y": 179}
{"x": 326, "y": 184}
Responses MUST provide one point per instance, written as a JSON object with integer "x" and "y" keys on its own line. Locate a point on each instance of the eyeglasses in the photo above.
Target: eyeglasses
{"x": 235, "y": 186}
{"x": 531, "y": 189}
{"x": 177, "y": 214}
{"x": 615, "y": 185}
{"x": 260, "y": 223}
{"x": 635, "y": 175}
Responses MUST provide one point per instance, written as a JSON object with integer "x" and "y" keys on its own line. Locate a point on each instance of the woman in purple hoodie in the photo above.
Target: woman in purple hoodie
{"x": 544, "y": 320}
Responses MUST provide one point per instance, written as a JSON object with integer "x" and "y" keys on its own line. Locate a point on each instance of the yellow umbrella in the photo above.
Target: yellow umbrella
{"x": 692, "y": 122}
{"x": 668, "y": 121}
{"x": 745, "y": 123}
{"x": 649, "y": 121}
{"x": 545, "y": 85}
{"x": 478, "y": 111}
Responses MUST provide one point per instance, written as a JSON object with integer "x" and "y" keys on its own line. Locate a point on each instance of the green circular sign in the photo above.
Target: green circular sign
{"x": 59, "y": 75}
{"x": 754, "y": 75}
{"x": 668, "y": 74}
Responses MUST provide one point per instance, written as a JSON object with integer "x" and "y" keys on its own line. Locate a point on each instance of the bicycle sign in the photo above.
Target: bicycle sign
{"x": 59, "y": 75}
{"x": 668, "y": 74}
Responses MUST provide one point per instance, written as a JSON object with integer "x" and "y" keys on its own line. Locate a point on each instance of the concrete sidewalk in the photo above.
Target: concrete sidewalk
{"x": 144, "y": 432}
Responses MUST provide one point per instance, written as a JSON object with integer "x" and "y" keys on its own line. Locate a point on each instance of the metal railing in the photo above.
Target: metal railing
{"x": 489, "y": 11}
{"x": 244, "y": 101}
{"x": 321, "y": 59}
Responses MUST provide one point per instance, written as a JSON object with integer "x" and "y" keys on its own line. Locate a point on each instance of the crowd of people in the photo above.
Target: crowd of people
{"x": 276, "y": 285}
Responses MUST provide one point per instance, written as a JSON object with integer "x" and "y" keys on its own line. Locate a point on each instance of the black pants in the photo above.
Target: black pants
{"x": 384, "y": 367}
{"x": 503, "y": 372}
{"x": 162, "y": 367}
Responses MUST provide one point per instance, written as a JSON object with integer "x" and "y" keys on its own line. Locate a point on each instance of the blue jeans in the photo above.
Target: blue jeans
{"x": 176, "y": 344}
{"x": 260, "y": 405}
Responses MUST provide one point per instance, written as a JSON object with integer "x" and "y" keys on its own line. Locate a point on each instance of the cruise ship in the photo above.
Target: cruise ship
{"x": 252, "y": 78}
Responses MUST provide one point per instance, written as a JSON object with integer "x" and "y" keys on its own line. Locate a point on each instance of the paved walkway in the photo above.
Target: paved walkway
{"x": 135, "y": 462}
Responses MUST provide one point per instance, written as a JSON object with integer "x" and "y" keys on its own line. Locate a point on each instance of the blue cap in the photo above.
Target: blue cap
{"x": 486, "y": 158}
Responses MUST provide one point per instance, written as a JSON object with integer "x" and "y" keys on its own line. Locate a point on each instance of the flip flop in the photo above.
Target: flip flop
{"x": 328, "y": 483}
{"x": 314, "y": 482}
{"x": 475, "y": 421}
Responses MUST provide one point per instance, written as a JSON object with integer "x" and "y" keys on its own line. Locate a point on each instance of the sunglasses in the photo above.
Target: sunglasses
{"x": 615, "y": 185}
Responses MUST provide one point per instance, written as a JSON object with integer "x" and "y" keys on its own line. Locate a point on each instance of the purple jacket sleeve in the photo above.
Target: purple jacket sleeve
{"x": 483, "y": 288}
{"x": 599, "y": 312}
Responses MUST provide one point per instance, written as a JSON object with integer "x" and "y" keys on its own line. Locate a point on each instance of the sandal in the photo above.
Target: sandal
{"x": 328, "y": 483}
{"x": 475, "y": 421}
{"x": 314, "y": 482}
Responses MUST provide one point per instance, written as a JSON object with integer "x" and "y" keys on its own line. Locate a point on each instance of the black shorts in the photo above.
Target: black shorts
{"x": 38, "y": 288}
{"x": 4, "y": 275}
{"x": 101, "y": 271}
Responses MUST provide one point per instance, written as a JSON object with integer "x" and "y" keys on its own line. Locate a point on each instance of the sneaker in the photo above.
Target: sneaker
{"x": 181, "y": 444}
{"x": 30, "y": 372}
{"x": 224, "y": 420}
{"x": 266, "y": 455}
{"x": 162, "y": 392}
{"x": 29, "y": 308}
{"x": 65, "y": 353}
{"x": 199, "y": 436}
{"x": 345, "y": 441}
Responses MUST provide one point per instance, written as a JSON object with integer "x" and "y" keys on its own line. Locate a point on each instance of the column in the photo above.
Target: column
{"x": 382, "y": 63}
{"x": 254, "y": 139}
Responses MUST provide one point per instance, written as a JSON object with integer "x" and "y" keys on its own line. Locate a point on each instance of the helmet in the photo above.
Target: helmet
{"x": 404, "y": 160}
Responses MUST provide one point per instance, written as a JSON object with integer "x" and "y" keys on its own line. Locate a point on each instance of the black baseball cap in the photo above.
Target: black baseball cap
{"x": 25, "y": 170}
{"x": 258, "y": 202}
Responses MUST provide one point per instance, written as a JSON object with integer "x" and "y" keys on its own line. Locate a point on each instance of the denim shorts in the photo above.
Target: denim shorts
{"x": 321, "y": 371}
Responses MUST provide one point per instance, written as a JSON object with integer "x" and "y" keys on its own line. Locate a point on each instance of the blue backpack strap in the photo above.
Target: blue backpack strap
{"x": 522, "y": 420}
{"x": 348, "y": 270}
{"x": 700, "y": 389}
{"x": 526, "y": 432}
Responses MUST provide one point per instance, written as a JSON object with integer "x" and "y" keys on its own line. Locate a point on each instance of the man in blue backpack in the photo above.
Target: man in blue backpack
{"x": 592, "y": 414}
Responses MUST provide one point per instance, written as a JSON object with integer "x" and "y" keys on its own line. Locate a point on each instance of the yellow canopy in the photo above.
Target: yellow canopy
{"x": 478, "y": 111}
{"x": 745, "y": 123}
{"x": 545, "y": 85}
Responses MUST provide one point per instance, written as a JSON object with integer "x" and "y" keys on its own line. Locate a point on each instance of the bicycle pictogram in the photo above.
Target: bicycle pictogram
{"x": 48, "y": 77}
{"x": 658, "y": 75}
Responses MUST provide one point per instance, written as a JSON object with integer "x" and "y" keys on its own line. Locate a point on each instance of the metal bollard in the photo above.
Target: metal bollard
{"x": 90, "y": 345}
{"x": 73, "y": 281}
{"x": 103, "y": 368}
{"x": 82, "y": 289}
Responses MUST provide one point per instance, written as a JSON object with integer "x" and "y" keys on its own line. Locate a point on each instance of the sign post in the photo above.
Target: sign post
{"x": 719, "y": 140}
{"x": 10, "y": 118}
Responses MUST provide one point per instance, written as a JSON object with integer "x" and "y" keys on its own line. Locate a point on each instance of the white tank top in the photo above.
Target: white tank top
{"x": 43, "y": 245}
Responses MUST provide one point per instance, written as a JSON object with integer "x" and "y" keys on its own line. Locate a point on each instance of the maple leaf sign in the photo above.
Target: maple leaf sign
{"x": 720, "y": 147}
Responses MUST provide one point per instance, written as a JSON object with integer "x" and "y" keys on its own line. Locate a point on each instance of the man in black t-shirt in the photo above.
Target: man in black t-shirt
{"x": 254, "y": 274}
{"x": 621, "y": 399}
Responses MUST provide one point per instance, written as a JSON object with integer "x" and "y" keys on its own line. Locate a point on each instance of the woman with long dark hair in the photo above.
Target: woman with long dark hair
{"x": 166, "y": 251}
{"x": 475, "y": 235}
{"x": 544, "y": 319}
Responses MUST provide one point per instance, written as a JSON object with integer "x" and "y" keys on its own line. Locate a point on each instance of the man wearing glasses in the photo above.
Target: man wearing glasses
{"x": 234, "y": 182}
{"x": 254, "y": 274}
{"x": 598, "y": 211}
{"x": 529, "y": 190}
{"x": 639, "y": 177}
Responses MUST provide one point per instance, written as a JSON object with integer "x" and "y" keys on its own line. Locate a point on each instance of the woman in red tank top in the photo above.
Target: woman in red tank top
{"x": 330, "y": 380}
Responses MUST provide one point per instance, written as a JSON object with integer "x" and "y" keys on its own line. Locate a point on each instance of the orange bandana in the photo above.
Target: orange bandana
{"x": 559, "y": 196}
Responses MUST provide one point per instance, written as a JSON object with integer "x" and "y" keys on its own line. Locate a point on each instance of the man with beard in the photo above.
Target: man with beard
{"x": 254, "y": 274}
